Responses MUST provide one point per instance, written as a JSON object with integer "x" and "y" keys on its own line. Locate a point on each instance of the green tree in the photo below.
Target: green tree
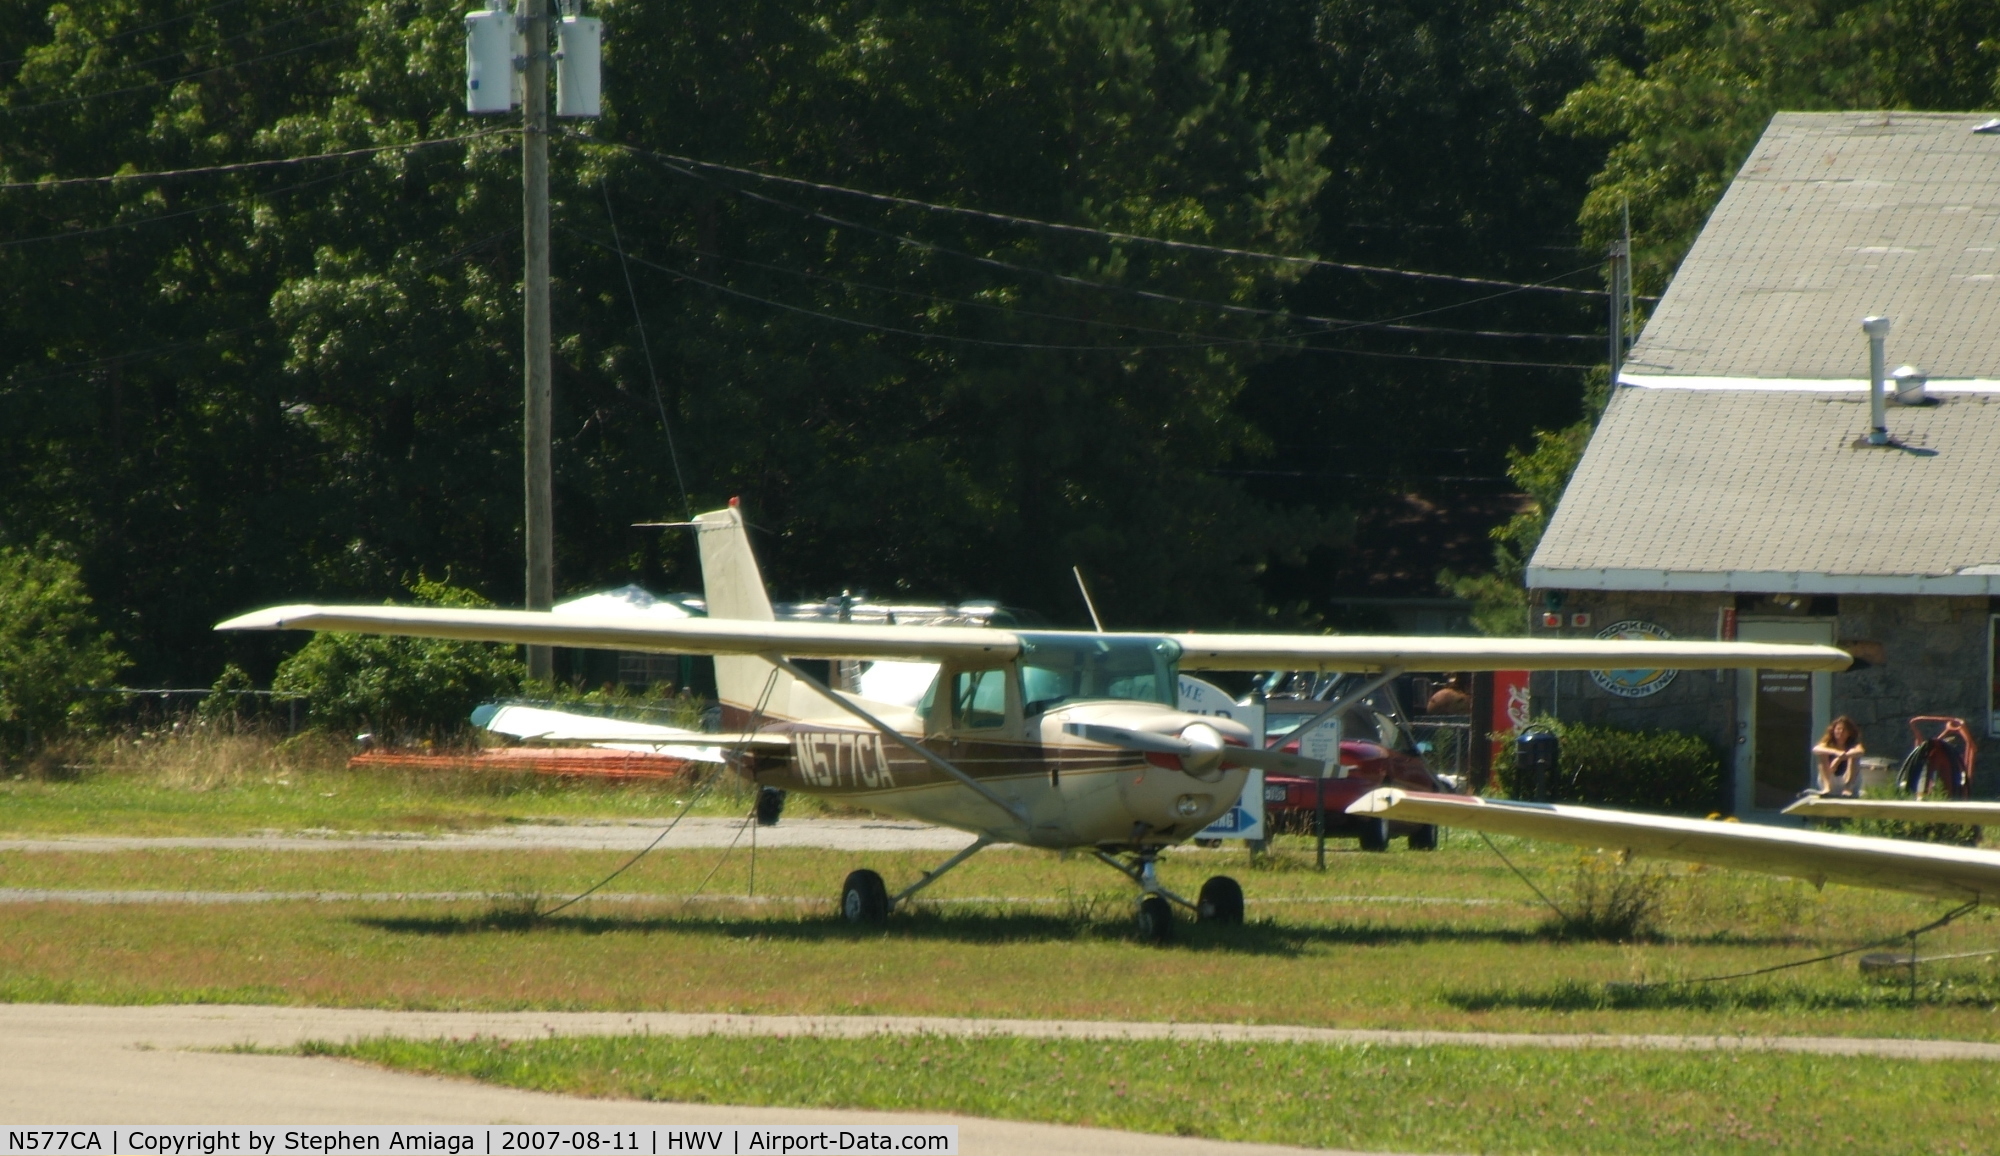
{"x": 1682, "y": 111}
{"x": 1500, "y": 598}
{"x": 52, "y": 651}
{"x": 301, "y": 381}
{"x": 400, "y": 687}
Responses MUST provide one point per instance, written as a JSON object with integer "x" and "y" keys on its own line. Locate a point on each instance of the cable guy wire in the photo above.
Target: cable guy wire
{"x": 646, "y": 346}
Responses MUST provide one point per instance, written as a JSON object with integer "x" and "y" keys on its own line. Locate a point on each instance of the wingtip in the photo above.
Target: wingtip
{"x": 274, "y": 618}
{"x": 1375, "y": 802}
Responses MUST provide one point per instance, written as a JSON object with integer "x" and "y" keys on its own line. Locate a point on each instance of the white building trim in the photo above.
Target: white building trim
{"x": 1795, "y": 384}
{"x": 1972, "y": 582}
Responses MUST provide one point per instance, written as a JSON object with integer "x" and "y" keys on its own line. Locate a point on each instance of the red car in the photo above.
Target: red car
{"x": 1291, "y": 804}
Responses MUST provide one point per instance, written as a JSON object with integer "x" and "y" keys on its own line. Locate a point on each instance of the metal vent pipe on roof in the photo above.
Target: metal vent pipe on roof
{"x": 1877, "y": 329}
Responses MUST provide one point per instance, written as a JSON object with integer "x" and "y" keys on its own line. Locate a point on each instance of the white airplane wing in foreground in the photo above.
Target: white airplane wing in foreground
{"x": 1325, "y": 652}
{"x": 1957, "y": 873}
{"x": 1906, "y": 810}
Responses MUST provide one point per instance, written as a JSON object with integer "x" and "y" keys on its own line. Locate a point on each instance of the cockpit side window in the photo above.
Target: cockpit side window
{"x": 979, "y": 699}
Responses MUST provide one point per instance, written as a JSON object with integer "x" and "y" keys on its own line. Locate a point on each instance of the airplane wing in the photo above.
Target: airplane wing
{"x": 1955, "y": 873}
{"x": 720, "y": 636}
{"x": 1350, "y": 652}
{"x": 724, "y": 636}
{"x": 1907, "y": 810}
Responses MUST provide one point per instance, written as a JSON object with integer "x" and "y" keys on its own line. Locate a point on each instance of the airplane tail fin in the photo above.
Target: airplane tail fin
{"x": 734, "y": 588}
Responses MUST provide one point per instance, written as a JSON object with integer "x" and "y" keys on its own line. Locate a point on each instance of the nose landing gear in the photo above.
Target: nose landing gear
{"x": 1221, "y": 899}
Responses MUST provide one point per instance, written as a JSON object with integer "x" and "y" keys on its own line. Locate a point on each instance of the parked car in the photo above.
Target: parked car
{"x": 1376, "y": 750}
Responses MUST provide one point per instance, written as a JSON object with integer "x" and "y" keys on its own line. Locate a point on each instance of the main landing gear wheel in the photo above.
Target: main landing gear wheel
{"x": 863, "y": 898}
{"x": 1424, "y": 838}
{"x": 1221, "y": 901}
{"x": 1375, "y": 834}
{"x": 1156, "y": 920}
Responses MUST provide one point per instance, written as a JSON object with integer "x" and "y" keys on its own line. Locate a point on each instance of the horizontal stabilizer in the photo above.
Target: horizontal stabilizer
{"x": 1955, "y": 873}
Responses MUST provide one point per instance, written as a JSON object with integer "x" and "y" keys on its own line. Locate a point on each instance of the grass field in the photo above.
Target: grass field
{"x": 207, "y": 783}
{"x": 1444, "y": 940}
{"x": 1434, "y": 1099}
{"x": 1447, "y": 940}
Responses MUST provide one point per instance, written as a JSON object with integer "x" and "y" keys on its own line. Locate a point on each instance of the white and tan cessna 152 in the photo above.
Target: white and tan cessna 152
{"x": 1055, "y": 739}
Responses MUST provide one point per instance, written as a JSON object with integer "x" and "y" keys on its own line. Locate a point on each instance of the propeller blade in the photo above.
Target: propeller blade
{"x": 1273, "y": 762}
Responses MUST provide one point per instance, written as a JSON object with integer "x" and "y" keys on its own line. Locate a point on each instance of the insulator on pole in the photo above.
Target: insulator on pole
{"x": 579, "y": 51}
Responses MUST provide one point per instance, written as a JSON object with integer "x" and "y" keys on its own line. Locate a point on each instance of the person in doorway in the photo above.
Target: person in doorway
{"x": 1449, "y": 699}
{"x": 1838, "y": 756}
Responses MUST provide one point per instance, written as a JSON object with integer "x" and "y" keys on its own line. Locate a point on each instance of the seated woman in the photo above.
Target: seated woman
{"x": 1838, "y": 757}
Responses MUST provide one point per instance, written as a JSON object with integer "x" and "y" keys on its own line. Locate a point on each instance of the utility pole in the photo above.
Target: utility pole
{"x": 1615, "y": 322}
{"x": 507, "y": 65}
{"x": 539, "y": 522}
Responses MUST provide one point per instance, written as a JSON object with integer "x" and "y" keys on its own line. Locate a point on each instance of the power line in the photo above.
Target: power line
{"x": 176, "y": 214}
{"x": 1200, "y": 343}
{"x": 1335, "y": 324}
{"x": 245, "y": 166}
{"x": 68, "y": 100}
{"x": 1092, "y": 231}
{"x": 1275, "y": 313}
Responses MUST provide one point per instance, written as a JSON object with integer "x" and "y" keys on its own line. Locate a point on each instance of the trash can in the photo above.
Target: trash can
{"x": 1535, "y": 750}
{"x": 1876, "y": 772}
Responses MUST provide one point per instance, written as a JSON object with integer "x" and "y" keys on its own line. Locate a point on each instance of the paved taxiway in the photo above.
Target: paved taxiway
{"x": 119, "y": 1065}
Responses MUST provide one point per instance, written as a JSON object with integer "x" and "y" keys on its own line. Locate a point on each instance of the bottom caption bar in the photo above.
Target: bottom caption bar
{"x": 484, "y": 1140}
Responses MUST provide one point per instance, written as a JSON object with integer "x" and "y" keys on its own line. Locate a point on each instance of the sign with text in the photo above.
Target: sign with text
{"x": 1245, "y": 820}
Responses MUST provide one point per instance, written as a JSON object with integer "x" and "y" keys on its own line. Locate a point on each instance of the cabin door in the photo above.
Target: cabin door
{"x": 1779, "y": 715}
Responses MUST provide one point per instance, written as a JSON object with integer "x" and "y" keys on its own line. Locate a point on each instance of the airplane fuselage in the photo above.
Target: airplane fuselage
{"x": 1073, "y": 793}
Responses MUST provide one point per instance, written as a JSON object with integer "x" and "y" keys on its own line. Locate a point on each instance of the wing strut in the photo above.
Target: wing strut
{"x": 1014, "y": 810}
{"x": 1337, "y": 706}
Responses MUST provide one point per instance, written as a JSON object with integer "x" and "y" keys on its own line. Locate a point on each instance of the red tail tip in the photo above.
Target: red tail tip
{"x": 735, "y": 503}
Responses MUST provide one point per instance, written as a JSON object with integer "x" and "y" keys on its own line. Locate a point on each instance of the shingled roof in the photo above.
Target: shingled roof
{"x": 1726, "y": 458}
{"x": 1837, "y": 215}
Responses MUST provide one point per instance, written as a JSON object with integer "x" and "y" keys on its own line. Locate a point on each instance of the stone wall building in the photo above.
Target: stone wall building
{"x": 1726, "y": 494}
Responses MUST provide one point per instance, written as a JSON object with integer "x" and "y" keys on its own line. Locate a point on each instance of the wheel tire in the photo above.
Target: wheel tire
{"x": 1424, "y": 838}
{"x": 770, "y": 805}
{"x": 1221, "y": 901}
{"x": 1156, "y": 920}
{"x": 1375, "y": 834}
{"x": 863, "y": 898}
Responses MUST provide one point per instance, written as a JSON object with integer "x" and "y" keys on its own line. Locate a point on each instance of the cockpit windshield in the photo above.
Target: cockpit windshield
{"x": 1059, "y": 668}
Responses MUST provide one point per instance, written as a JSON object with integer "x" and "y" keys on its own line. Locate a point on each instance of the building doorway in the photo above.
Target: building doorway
{"x": 1779, "y": 715}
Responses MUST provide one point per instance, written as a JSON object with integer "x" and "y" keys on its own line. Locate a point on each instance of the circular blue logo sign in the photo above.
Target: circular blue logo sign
{"x": 1634, "y": 683}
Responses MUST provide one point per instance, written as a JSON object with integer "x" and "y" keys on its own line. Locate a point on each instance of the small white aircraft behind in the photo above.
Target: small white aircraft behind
{"x": 1052, "y": 738}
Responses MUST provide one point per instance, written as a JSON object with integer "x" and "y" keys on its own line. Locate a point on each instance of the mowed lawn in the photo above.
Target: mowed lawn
{"x": 1431, "y": 1099}
{"x": 1450, "y": 939}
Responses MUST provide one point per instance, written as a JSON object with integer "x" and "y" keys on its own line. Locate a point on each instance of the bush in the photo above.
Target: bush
{"x": 52, "y": 652}
{"x": 1639, "y": 770}
{"x": 401, "y": 687}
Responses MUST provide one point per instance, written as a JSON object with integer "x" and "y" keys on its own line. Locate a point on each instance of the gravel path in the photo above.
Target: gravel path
{"x": 116, "y": 1065}
{"x": 627, "y": 835}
